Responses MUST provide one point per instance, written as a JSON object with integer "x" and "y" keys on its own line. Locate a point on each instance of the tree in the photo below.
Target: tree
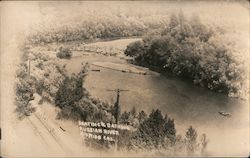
{"x": 64, "y": 53}
{"x": 189, "y": 49}
{"x": 129, "y": 118}
{"x": 124, "y": 118}
{"x": 191, "y": 142}
{"x": 203, "y": 141}
{"x": 142, "y": 116}
{"x": 134, "y": 49}
{"x": 179, "y": 145}
{"x": 24, "y": 94}
{"x": 199, "y": 30}
{"x": 71, "y": 90}
{"x": 149, "y": 134}
{"x": 133, "y": 112}
{"x": 169, "y": 129}
{"x": 173, "y": 22}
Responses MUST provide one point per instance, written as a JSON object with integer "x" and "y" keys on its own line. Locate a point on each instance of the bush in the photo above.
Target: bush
{"x": 134, "y": 49}
{"x": 64, "y": 53}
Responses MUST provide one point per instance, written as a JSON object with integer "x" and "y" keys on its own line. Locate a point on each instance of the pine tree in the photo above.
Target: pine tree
{"x": 191, "y": 142}
{"x": 142, "y": 116}
{"x": 150, "y": 132}
{"x": 169, "y": 129}
{"x": 124, "y": 118}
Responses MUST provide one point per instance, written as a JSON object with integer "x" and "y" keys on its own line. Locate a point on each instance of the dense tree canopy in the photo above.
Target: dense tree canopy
{"x": 191, "y": 50}
{"x": 154, "y": 130}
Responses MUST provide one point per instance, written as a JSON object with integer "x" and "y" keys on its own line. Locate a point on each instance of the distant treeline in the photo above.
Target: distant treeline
{"x": 102, "y": 27}
{"x": 194, "y": 51}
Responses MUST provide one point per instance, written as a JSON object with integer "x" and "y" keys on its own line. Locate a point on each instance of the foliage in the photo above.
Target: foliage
{"x": 169, "y": 130}
{"x": 106, "y": 25}
{"x": 37, "y": 74}
{"x": 69, "y": 92}
{"x": 191, "y": 140}
{"x": 52, "y": 83}
{"x": 142, "y": 116}
{"x": 129, "y": 118}
{"x": 64, "y": 53}
{"x": 152, "y": 133}
{"x": 191, "y": 50}
{"x": 125, "y": 118}
{"x": 159, "y": 133}
{"x": 133, "y": 48}
{"x": 24, "y": 92}
{"x": 204, "y": 141}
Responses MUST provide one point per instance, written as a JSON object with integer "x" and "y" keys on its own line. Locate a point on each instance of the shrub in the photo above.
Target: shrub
{"x": 134, "y": 49}
{"x": 64, "y": 53}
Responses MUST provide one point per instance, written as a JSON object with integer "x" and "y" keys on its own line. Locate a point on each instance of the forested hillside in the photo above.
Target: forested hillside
{"x": 100, "y": 24}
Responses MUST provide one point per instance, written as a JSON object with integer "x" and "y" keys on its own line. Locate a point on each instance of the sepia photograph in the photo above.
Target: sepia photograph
{"x": 128, "y": 78}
